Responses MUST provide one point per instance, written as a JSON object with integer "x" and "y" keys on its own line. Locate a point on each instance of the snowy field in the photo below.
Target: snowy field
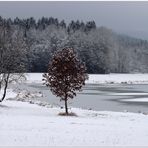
{"x": 100, "y": 78}
{"x": 24, "y": 124}
{"x": 29, "y": 124}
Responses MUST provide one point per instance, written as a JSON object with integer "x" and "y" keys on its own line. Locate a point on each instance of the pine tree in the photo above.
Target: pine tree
{"x": 66, "y": 75}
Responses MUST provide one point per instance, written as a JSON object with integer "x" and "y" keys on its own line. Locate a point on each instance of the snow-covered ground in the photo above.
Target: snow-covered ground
{"x": 10, "y": 94}
{"x": 36, "y": 124}
{"x": 24, "y": 124}
{"x": 119, "y": 78}
{"x": 101, "y": 78}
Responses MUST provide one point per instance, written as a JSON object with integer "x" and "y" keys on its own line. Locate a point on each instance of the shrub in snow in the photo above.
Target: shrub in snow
{"x": 66, "y": 75}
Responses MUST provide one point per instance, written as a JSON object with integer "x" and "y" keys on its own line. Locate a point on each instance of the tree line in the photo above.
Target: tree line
{"x": 103, "y": 50}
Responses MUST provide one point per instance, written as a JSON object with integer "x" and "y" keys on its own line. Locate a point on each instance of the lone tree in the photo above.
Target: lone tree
{"x": 66, "y": 75}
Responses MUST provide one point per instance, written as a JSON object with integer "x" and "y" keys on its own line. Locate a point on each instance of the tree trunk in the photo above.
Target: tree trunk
{"x": 66, "y": 108}
{"x": 5, "y": 87}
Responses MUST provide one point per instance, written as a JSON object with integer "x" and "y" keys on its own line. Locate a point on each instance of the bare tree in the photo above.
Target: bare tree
{"x": 66, "y": 75}
{"x": 12, "y": 54}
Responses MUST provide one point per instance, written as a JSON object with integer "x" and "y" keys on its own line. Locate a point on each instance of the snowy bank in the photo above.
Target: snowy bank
{"x": 33, "y": 123}
{"x": 10, "y": 94}
{"x": 100, "y": 78}
{"x": 119, "y": 78}
{"x": 24, "y": 124}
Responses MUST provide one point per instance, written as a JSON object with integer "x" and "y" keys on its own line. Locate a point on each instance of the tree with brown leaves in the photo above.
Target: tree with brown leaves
{"x": 66, "y": 75}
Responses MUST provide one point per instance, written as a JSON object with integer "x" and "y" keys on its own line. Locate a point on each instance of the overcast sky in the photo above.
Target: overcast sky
{"x": 124, "y": 17}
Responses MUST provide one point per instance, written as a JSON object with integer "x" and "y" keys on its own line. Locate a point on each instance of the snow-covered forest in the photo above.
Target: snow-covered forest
{"x": 102, "y": 49}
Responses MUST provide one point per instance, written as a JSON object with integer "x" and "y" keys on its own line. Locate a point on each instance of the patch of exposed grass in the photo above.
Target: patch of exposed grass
{"x": 69, "y": 114}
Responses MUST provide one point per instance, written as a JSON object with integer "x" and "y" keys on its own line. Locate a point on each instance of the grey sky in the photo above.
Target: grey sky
{"x": 125, "y": 17}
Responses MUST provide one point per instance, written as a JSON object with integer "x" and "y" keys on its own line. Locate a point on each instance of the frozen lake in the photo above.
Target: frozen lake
{"x": 104, "y": 97}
